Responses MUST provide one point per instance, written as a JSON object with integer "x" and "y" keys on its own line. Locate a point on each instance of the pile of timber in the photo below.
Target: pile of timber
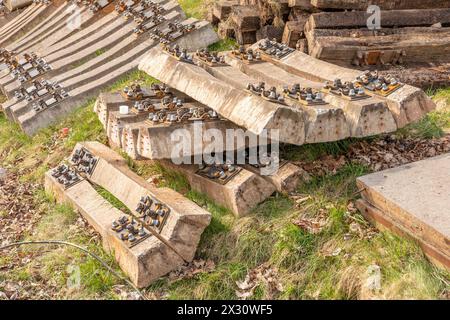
{"x": 413, "y": 42}
{"x": 249, "y": 21}
{"x": 49, "y": 67}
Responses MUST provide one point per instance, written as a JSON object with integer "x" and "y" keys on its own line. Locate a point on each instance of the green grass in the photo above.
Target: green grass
{"x": 443, "y": 94}
{"x": 194, "y": 8}
{"x": 99, "y": 52}
{"x": 433, "y": 125}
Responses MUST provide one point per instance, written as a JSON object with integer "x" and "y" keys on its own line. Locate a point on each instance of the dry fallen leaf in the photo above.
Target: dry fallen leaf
{"x": 189, "y": 270}
{"x": 313, "y": 225}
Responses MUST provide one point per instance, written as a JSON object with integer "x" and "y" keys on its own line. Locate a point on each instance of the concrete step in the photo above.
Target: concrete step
{"x": 393, "y": 194}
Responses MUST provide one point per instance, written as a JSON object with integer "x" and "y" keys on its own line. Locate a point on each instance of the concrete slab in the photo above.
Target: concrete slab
{"x": 385, "y": 223}
{"x": 415, "y": 197}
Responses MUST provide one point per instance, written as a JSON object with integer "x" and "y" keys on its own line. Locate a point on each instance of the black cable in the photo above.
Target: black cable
{"x": 60, "y": 242}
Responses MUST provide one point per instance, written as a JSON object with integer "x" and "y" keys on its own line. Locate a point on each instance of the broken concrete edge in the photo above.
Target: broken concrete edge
{"x": 236, "y": 105}
{"x": 384, "y": 223}
{"x": 286, "y": 179}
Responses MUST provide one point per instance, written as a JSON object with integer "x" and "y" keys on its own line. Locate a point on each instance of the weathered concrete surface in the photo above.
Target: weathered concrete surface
{"x": 338, "y": 119}
{"x": 416, "y": 198}
{"x": 150, "y": 259}
{"x": 223, "y": 89}
{"x": 240, "y": 195}
{"x": 240, "y": 107}
{"x": 407, "y": 104}
{"x": 89, "y": 84}
{"x": 158, "y": 141}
